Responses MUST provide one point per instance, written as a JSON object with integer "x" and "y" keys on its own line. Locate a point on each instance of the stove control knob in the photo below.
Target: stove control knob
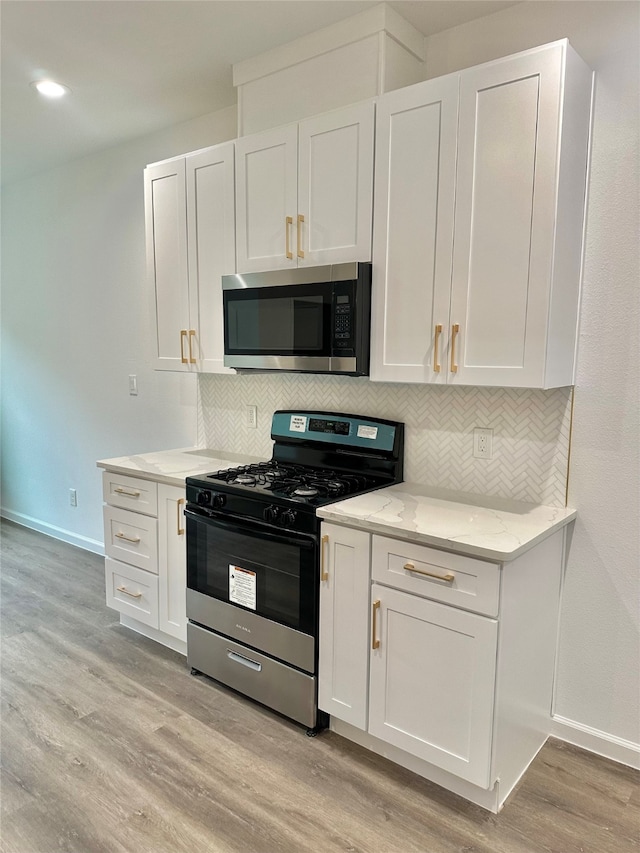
{"x": 218, "y": 501}
{"x": 271, "y": 513}
{"x": 287, "y": 518}
{"x": 203, "y": 498}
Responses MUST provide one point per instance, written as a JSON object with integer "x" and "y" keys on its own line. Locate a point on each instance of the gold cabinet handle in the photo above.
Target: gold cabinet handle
{"x": 375, "y": 642}
{"x": 454, "y": 334}
{"x": 178, "y": 505}
{"x": 449, "y": 577}
{"x": 183, "y": 335}
{"x": 436, "y": 343}
{"x": 288, "y": 222}
{"x": 126, "y": 592}
{"x": 135, "y": 539}
{"x": 191, "y": 336}
{"x": 324, "y": 575}
{"x": 129, "y": 494}
{"x": 299, "y": 235}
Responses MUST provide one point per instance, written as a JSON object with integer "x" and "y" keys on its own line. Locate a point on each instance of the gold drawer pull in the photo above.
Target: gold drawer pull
{"x": 299, "y": 235}
{"x": 449, "y": 577}
{"x": 126, "y": 592}
{"x": 183, "y": 335}
{"x": 191, "y": 335}
{"x": 180, "y": 529}
{"x": 122, "y": 491}
{"x": 324, "y": 575}
{"x": 135, "y": 539}
{"x": 375, "y": 642}
{"x": 287, "y": 249}
{"x": 454, "y": 334}
{"x": 436, "y": 342}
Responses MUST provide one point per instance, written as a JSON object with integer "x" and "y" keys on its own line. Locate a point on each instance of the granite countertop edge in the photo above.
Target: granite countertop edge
{"x": 491, "y": 528}
{"x": 172, "y": 467}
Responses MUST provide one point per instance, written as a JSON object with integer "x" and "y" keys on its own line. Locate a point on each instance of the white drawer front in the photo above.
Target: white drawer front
{"x": 450, "y": 578}
{"x": 132, "y": 591}
{"x": 131, "y": 538}
{"x": 130, "y": 493}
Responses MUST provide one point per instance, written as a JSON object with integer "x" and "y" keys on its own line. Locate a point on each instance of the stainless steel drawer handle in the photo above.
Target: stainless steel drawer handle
{"x": 122, "y": 491}
{"x": 126, "y": 592}
{"x": 250, "y": 664}
{"x": 449, "y": 577}
{"x": 134, "y": 539}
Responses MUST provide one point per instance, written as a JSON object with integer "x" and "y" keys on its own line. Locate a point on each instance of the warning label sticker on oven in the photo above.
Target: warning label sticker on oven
{"x": 242, "y": 586}
{"x": 298, "y": 423}
{"x": 367, "y": 431}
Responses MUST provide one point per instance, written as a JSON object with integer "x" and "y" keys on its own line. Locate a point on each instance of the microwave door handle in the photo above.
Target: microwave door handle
{"x": 257, "y": 529}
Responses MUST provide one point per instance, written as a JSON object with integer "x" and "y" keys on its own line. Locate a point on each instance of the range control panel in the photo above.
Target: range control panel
{"x": 336, "y": 429}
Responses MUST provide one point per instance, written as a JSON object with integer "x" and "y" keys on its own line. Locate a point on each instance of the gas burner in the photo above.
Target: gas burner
{"x": 305, "y": 492}
{"x": 244, "y": 480}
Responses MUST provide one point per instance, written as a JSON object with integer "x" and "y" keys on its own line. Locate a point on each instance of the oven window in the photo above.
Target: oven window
{"x": 279, "y": 581}
{"x": 292, "y": 320}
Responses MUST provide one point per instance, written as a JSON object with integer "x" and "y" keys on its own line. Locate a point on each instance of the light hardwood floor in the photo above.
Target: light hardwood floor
{"x": 109, "y": 744}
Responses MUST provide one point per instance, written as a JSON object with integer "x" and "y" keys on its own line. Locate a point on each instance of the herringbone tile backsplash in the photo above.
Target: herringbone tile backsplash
{"x": 530, "y": 428}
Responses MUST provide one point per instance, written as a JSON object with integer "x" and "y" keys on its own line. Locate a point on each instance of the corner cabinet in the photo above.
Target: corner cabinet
{"x": 304, "y": 192}
{"x": 442, "y": 662}
{"x": 485, "y": 292}
{"x": 190, "y": 238}
{"x": 145, "y": 563}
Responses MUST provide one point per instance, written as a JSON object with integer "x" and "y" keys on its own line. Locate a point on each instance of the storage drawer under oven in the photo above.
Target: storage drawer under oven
{"x": 268, "y": 681}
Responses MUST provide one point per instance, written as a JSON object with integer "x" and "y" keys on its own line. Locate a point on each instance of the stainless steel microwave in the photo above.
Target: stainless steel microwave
{"x": 308, "y": 320}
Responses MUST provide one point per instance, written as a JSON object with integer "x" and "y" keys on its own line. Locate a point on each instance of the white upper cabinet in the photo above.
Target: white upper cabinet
{"x": 413, "y": 231}
{"x": 211, "y": 249}
{"x": 514, "y": 273}
{"x": 304, "y": 192}
{"x": 166, "y": 241}
{"x": 190, "y": 236}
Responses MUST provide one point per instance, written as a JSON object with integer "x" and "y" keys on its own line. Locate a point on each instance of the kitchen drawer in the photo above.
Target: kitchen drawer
{"x": 131, "y": 538}
{"x": 132, "y": 591}
{"x": 130, "y": 493}
{"x": 472, "y": 584}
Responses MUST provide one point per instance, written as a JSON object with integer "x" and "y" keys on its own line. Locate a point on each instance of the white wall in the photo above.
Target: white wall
{"x": 75, "y": 324}
{"x": 598, "y": 677}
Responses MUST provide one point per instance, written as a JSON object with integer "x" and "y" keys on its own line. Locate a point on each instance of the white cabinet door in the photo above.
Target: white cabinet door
{"x": 432, "y": 682}
{"x": 413, "y": 231}
{"x": 507, "y": 189}
{"x": 344, "y": 624}
{"x": 211, "y": 246}
{"x": 266, "y": 200}
{"x": 172, "y": 562}
{"x": 166, "y": 242}
{"x": 335, "y": 187}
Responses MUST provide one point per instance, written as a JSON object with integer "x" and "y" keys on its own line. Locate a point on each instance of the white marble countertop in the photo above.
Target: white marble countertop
{"x": 495, "y": 529}
{"x": 174, "y": 466}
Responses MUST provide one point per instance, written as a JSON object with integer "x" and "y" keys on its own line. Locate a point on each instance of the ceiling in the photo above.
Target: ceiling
{"x": 136, "y": 66}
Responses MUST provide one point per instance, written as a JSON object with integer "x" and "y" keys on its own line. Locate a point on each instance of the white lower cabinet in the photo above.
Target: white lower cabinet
{"x": 145, "y": 565}
{"x": 344, "y": 619}
{"x": 441, "y": 662}
{"x": 432, "y": 682}
{"x": 172, "y": 562}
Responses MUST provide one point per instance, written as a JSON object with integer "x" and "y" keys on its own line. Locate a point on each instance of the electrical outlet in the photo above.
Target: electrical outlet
{"x": 482, "y": 443}
{"x": 73, "y": 497}
{"x": 251, "y": 416}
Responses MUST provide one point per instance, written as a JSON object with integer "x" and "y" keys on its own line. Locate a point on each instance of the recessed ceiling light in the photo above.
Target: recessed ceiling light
{"x": 50, "y": 89}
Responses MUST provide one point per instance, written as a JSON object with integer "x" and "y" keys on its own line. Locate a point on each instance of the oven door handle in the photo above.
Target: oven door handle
{"x": 256, "y": 528}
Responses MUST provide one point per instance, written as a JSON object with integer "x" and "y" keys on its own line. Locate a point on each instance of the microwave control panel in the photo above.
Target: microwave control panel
{"x": 343, "y": 309}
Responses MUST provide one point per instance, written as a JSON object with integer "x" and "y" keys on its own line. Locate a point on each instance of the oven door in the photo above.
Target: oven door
{"x": 256, "y": 569}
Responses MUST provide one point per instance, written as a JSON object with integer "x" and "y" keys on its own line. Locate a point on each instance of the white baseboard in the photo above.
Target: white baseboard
{"x": 616, "y": 748}
{"x": 56, "y": 532}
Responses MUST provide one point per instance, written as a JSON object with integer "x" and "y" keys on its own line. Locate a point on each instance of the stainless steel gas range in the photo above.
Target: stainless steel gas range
{"x": 253, "y": 551}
